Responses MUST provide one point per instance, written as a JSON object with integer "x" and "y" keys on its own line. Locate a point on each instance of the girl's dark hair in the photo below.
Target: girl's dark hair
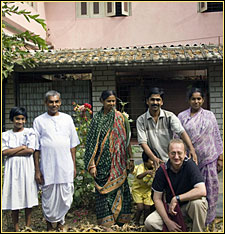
{"x": 106, "y": 93}
{"x": 17, "y": 111}
{"x": 156, "y": 90}
{"x": 144, "y": 157}
{"x": 195, "y": 90}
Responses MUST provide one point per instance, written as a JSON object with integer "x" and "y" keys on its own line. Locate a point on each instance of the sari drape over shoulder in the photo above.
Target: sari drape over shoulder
{"x": 106, "y": 146}
{"x": 204, "y": 132}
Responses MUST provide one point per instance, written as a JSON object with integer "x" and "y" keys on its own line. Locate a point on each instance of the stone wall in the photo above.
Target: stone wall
{"x": 103, "y": 78}
{"x": 9, "y": 102}
{"x": 215, "y": 75}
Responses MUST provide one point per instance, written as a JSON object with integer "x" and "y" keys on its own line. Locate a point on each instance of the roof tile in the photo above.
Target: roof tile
{"x": 158, "y": 54}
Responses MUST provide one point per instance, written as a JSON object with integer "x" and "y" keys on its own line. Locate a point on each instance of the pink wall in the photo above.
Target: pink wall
{"x": 151, "y": 23}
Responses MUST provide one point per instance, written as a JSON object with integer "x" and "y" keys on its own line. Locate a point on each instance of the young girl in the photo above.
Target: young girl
{"x": 19, "y": 188}
{"x": 141, "y": 188}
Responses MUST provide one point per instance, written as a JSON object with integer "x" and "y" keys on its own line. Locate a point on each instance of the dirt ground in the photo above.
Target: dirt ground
{"x": 77, "y": 220}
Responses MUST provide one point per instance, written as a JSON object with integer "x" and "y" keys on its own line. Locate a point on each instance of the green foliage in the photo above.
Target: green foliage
{"x": 14, "y": 48}
{"x": 136, "y": 149}
{"x": 123, "y": 104}
{"x": 83, "y": 183}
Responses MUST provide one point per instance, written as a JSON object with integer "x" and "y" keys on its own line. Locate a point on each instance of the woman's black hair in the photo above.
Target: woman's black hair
{"x": 155, "y": 90}
{"x": 144, "y": 157}
{"x": 17, "y": 111}
{"x": 106, "y": 93}
{"x": 195, "y": 90}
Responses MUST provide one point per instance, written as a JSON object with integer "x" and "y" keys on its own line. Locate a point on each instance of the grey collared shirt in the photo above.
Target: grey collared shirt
{"x": 158, "y": 135}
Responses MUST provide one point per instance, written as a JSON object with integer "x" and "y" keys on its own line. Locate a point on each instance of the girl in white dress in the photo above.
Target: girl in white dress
{"x": 19, "y": 188}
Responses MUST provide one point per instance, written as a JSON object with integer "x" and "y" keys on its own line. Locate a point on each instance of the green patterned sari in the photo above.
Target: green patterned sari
{"x": 107, "y": 142}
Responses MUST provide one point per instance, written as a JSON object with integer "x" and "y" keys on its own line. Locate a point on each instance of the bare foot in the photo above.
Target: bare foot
{"x": 49, "y": 227}
{"x": 62, "y": 228}
{"x": 17, "y": 230}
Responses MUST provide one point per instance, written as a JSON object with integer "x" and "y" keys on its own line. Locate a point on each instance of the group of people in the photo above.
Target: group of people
{"x": 45, "y": 156}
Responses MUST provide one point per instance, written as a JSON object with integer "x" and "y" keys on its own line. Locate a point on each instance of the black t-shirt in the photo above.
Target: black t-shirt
{"x": 182, "y": 182}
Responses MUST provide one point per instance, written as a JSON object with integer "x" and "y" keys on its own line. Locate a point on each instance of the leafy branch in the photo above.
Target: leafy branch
{"x": 14, "y": 48}
{"x": 7, "y": 9}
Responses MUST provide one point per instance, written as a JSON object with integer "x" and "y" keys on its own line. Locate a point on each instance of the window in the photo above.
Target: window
{"x": 102, "y": 9}
{"x": 90, "y": 9}
{"x": 210, "y": 6}
{"x": 117, "y": 8}
{"x": 83, "y": 8}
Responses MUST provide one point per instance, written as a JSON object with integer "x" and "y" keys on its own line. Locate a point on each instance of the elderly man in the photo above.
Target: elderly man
{"x": 57, "y": 139}
{"x": 189, "y": 188}
{"x": 156, "y": 127}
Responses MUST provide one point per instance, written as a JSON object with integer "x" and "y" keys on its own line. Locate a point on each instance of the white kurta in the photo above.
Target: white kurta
{"x": 19, "y": 188}
{"x": 56, "y": 135}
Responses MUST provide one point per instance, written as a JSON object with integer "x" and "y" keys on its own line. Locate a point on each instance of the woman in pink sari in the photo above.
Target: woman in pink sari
{"x": 202, "y": 128}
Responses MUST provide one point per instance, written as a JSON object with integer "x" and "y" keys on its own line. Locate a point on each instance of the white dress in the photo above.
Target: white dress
{"x": 19, "y": 188}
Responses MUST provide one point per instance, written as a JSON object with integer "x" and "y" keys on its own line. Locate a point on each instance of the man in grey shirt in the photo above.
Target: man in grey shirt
{"x": 156, "y": 128}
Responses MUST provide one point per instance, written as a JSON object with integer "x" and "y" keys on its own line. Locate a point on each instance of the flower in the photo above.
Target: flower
{"x": 87, "y": 105}
{"x": 82, "y": 108}
{"x": 82, "y": 119}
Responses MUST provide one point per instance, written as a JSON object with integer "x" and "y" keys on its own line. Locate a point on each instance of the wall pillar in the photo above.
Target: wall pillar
{"x": 215, "y": 75}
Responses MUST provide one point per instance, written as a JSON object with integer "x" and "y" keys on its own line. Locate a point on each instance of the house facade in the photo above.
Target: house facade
{"x": 124, "y": 46}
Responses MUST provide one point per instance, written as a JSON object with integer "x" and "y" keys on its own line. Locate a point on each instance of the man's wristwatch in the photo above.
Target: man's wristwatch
{"x": 178, "y": 198}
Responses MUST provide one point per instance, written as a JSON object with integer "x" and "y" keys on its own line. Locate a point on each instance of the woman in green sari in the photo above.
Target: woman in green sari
{"x": 107, "y": 153}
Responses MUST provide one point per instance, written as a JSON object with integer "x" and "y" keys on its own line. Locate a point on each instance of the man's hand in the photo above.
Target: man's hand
{"x": 220, "y": 164}
{"x": 173, "y": 226}
{"x": 157, "y": 162}
{"x": 75, "y": 172}
{"x": 193, "y": 155}
{"x": 172, "y": 206}
{"x": 39, "y": 177}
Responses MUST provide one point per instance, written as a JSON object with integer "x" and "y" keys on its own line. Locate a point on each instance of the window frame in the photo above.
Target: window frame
{"x": 202, "y": 6}
{"x": 103, "y": 10}
{"x": 208, "y": 7}
{"x": 124, "y": 12}
{"x": 90, "y": 10}
{"x": 113, "y": 12}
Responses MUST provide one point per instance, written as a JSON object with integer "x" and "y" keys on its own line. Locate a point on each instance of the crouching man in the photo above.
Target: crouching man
{"x": 189, "y": 188}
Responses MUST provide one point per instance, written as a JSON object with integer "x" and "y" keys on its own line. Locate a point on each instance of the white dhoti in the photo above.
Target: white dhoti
{"x": 56, "y": 201}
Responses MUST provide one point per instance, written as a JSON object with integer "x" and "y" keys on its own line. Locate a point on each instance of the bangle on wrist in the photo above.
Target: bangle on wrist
{"x": 93, "y": 166}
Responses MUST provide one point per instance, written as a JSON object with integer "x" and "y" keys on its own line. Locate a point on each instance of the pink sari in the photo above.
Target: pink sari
{"x": 204, "y": 132}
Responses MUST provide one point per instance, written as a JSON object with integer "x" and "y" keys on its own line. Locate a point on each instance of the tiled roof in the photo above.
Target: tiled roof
{"x": 137, "y": 55}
